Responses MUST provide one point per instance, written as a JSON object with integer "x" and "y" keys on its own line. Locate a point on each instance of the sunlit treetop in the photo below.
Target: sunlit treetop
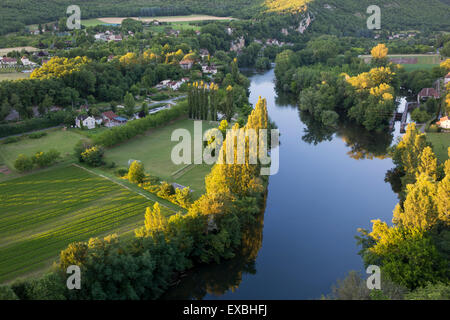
{"x": 292, "y": 6}
{"x": 446, "y": 64}
{"x": 380, "y": 51}
{"x": 59, "y": 67}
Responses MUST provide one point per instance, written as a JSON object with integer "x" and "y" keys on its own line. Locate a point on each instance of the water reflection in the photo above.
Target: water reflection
{"x": 363, "y": 144}
{"x": 217, "y": 279}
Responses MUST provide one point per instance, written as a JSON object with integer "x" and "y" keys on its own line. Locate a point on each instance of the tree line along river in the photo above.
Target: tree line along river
{"x": 330, "y": 183}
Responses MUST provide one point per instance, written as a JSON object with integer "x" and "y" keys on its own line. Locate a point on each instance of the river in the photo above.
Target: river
{"x": 330, "y": 183}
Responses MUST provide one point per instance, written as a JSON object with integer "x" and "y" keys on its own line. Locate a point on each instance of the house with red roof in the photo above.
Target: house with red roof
{"x": 427, "y": 93}
{"x": 110, "y": 119}
{"x": 186, "y": 64}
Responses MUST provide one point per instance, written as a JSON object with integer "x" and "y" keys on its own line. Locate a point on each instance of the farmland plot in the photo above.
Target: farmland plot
{"x": 41, "y": 214}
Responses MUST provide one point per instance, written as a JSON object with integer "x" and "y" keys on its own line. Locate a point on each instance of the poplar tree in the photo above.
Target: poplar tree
{"x": 428, "y": 163}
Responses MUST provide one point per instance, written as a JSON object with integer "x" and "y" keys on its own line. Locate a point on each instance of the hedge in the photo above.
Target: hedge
{"x": 55, "y": 119}
{"x": 133, "y": 128}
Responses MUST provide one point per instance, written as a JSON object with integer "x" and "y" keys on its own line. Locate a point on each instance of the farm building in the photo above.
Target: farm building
{"x": 427, "y": 93}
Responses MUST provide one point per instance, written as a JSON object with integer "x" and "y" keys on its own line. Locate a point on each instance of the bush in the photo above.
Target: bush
{"x": 111, "y": 165}
{"x": 44, "y": 159}
{"x": 121, "y": 172}
{"x": 93, "y": 156}
{"x": 166, "y": 190}
{"x": 136, "y": 173}
{"x": 23, "y": 163}
{"x": 420, "y": 116}
{"x": 11, "y": 140}
{"x": 6, "y": 293}
{"x": 37, "y": 135}
{"x": 80, "y": 147}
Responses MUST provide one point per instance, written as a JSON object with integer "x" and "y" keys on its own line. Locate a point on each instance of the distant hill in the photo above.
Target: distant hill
{"x": 335, "y": 16}
{"x": 349, "y": 16}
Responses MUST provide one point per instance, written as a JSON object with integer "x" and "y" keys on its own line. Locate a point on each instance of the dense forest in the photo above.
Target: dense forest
{"x": 347, "y": 17}
{"x": 338, "y": 17}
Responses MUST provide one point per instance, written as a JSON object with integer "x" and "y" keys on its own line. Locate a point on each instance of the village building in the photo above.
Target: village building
{"x": 427, "y": 93}
{"x": 26, "y": 62}
{"x": 237, "y": 45}
{"x": 447, "y": 79}
{"x": 209, "y": 69}
{"x": 7, "y": 62}
{"x": 85, "y": 121}
{"x": 110, "y": 119}
{"x": 186, "y": 64}
{"x": 444, "y": 123}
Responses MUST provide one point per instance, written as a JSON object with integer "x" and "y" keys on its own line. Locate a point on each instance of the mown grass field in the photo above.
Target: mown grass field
{"x": 424, "y": 61}
{"x": 154, "y": 151}
{"x": 441, "y": 143}
{"x": 40, "y": 214}
{"x": 62, "y": 141}
{"x": 13, "y": 76}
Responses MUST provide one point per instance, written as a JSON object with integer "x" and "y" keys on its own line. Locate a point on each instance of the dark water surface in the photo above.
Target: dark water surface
{"x": 330, "y": 183}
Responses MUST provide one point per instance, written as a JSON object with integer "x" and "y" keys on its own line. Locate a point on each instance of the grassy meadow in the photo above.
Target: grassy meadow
{"x": 441, "y": 143}
{"x": 62, "y": 141}
{"x": 154, "y": 151}
{"x": 40, "y": 214}
{"x": 13, "y": 76}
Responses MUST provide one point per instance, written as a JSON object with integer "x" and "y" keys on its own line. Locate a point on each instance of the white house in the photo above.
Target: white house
{"x": 27, "y": 62}
{"x": 444, "y": 123}
{"x": 209, "y": 69}
{"x": 447, "y": 79}
{"x": 85, "y": 121}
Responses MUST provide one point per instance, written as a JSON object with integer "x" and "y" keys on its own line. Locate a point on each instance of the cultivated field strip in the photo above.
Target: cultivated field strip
{"x": 40, "y": 214}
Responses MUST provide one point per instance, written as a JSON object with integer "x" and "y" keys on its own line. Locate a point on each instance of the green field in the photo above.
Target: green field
{"x": 154, "y": 151}
{"x": 42, "y": 213}
{"x": 91, "y": 22}
{"x": 441, "y": 143}
{"x": 13, "y": 76}
{"x": 181, "y": 25}
{"x": 424, "y": 61}
{"x": 63, "y": 141}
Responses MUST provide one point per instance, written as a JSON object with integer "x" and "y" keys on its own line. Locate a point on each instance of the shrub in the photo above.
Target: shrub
{"x": 93, "y": 156}
{"x": 420, "y": 116}
{"x": 121, "y": 172}
{"x": 44, "y": 159}
{"x": 23, "y": 163}
{"x": 80, "y": 147}
{"x": 6, "y": 293}
{"x": 11, "y": 140}
{"x": 166, "y": 190}
{"x": 183, "y": 197}
{"x": 37, "y": 135}
{"x": 136, "y": 173}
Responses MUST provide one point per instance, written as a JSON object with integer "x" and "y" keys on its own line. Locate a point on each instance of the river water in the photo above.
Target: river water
{"x": 330, "y": 183}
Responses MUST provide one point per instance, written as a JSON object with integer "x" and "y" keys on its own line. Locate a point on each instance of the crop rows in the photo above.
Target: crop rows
{"x": 41, "y": 214}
